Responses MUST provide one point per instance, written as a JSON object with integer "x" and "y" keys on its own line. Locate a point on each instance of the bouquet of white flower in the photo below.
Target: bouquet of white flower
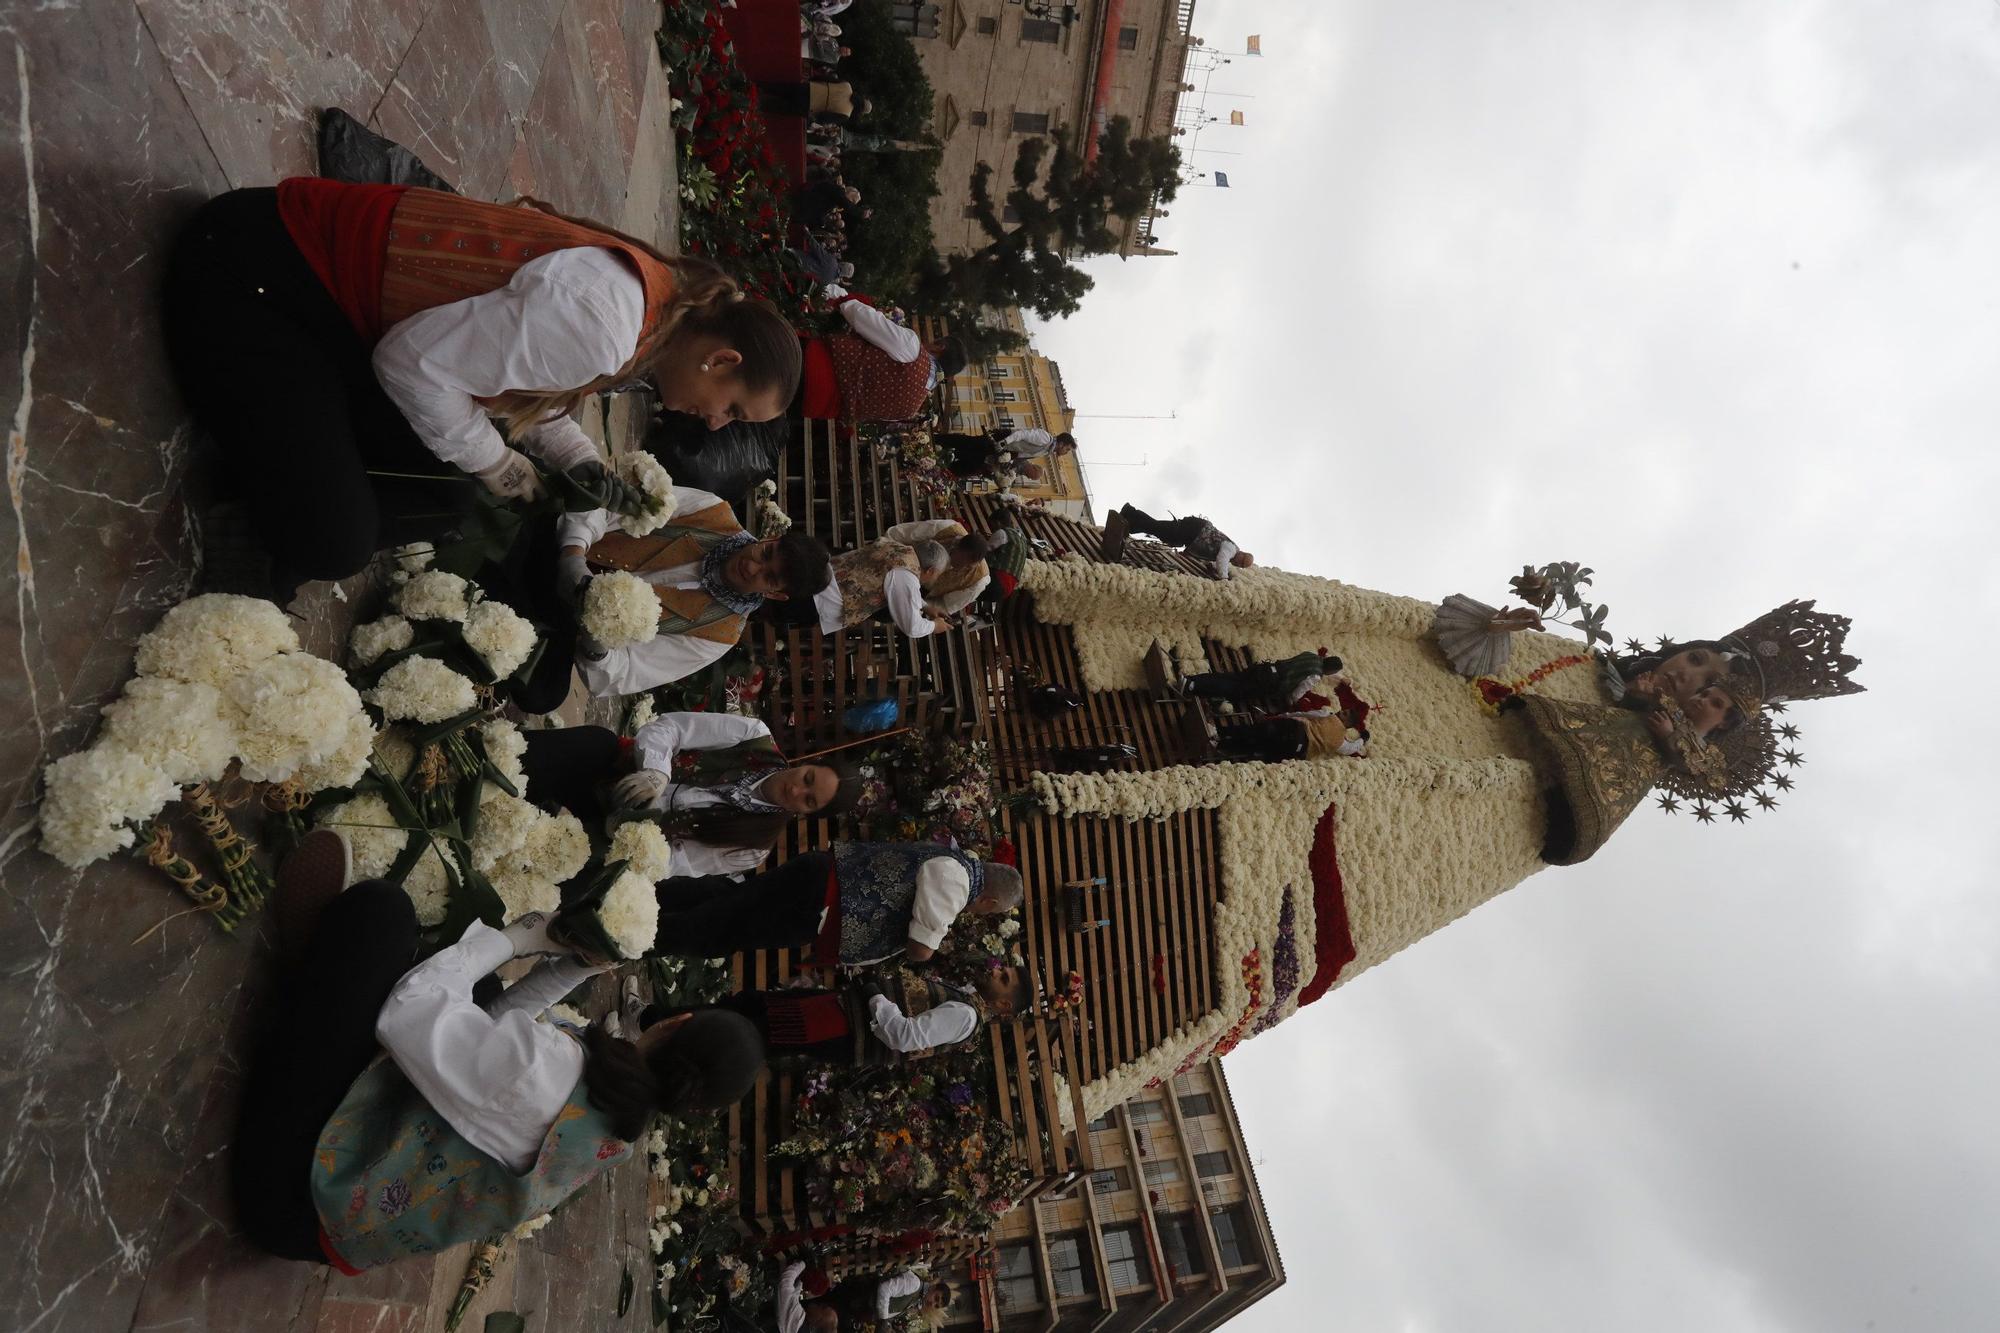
{"x": 619, "y": 610}
{"x": 643, "y": 473}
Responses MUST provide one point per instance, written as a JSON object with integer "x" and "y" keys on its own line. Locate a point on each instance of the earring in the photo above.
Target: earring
{"x": 704, "y": 367}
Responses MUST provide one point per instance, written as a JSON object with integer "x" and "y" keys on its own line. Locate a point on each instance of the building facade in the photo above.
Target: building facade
{"x": 1004, "y": 72}
{"x": 1009, "y": 390}
{"x": 1168, "y": 1233}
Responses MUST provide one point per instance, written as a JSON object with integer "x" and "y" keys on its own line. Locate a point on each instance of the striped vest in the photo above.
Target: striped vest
{"x": 682, "y": 541}
{"x": 392, "y": 1179}
{"x": 914, "y": 994}
{"x": 860, "y": 573}
{"x": 445, "y": 247}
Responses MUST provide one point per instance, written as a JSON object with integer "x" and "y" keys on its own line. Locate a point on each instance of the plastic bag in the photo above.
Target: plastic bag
{"x": 350, "y": 151}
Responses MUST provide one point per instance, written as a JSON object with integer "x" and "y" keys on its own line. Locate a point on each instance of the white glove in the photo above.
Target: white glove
{"x": 571, "y": 570}
{"x": 513, "y": 477}
{"x": 641, "y": 788}
{"x": 530, "y": 934}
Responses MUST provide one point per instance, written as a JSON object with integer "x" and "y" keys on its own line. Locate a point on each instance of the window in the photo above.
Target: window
{"x": 987, "y": 27}
{"x": 1211, "y": 1163}
{"x": 1236, "y": 1239}
{"x": 1148, "y": 1112}
{"x": 1071, "y": 1275}
{"x": 1004, "y": 372}
{"x": 1128, "y": 38}
{"x": 1109, "y": 1120}
{"x": 1162, "y": 1173}
{"x": 1180, "y": 1237}
{"x": 1031, "y": 122}
{"x": 1015, "y": 1282}
{"x": 1041, "y": 30}
{"x": 1122, "y": 1250}
{"x": 976, "y": 118}
{"x": 1110, "y": 1182}
{"x": 1006, "y": 396}
{"x": 1199, "y": 1103}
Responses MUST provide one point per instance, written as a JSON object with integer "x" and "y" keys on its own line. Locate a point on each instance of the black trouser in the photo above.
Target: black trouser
{"x": 1269, "y": 740}
{"x": 1259, "y": 680}
{"x": 324, "y": 1038}
{"x": 525, "y": 579}
{"x": 273, "y": 370}
{"x": 568, "y": 767}
{"x": 1172, "y": 531}
{"x": 962, "y": 453}
{"x": 791, "y": 98}
{"x": 714, "y": 916}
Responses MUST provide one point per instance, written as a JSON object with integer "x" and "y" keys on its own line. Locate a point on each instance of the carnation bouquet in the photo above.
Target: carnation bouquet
{"x": 224, "y": 698}
{"x": 643, "y": 473}
{"x": 619, "y": 610}
{"x": 616, "y": 915}
{"x": 445, "y": 618}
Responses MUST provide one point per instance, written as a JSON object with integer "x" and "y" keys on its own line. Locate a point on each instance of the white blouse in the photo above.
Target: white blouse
{"x": 562, "y": 321}
{"x": 498, "y": 1076}
{"x": 655, "y": 745}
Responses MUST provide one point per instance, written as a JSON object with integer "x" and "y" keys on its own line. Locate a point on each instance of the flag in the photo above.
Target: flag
{"x": 1253, "y": 46}
{"x": 1236, "y": 118}
{"x": 1221, "y": 180}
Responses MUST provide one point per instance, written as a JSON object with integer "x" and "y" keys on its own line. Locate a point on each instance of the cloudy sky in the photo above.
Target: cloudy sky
{"x": 1701, "y": 293}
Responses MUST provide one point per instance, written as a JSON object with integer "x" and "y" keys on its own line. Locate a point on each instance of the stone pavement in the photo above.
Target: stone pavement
{"x": 117, "y": 1057}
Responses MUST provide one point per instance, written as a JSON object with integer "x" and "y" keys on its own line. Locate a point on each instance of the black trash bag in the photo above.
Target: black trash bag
{"x": 350, "y": 151}
{"x": 728, "y": 462}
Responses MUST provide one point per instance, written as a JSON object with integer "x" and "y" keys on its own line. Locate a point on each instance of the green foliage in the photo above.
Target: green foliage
{"x": 1064, "y": 210}
{"x": 885, "y": 69}
{"x": 889, "y": 248}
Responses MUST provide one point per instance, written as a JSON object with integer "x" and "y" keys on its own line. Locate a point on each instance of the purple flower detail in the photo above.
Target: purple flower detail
{"x": 394, "y": 1198}
{"x": 959, "y": 1094}
{"x": 1284, "y": 965}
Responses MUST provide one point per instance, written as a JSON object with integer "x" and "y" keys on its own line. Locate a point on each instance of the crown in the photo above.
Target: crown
{"x": 1795, "y": 652}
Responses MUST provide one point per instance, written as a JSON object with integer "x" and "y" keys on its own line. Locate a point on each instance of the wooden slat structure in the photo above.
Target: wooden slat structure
{"x": 1128, "y": 907}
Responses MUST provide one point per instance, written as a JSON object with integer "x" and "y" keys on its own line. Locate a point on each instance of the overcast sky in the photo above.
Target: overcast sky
{"x": 1702, "y": 294}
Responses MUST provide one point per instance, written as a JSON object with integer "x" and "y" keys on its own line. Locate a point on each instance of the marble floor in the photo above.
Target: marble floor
{"x": 118, "y": 1054}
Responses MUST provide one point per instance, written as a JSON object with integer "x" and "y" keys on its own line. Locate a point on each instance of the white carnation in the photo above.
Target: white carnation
{"x": 396, "y": 751}
{"x": 644, "y": 848}
{"x": 502, "y": 639}
{"x": 531, "y": 1226}
{"x": 641, "y": 714}
{"x": 528, "y": 877}
{"x": 370, "y": 641}
{"x": 435, "y": 596}
{"x": 176, "y": 726}
{"x": 215, "y": 638}
{"x": 503, "y": 827}
{"x": 345, "y": 766}
{"x": 373, "y": 836}
{"x": 429, "y": 882}
{"x": 558, "y": 848}
{"x": 643, "y": 472}
{"x": 414, "y": 558}
{"x": 422, "y": 689}
{"x": 619, "y": 610}
{"x": 630, "y": 915}
{"x": 92, "y": 799}
{"x": 522, "y": 892}
{"x": 505, "y": 744}
{"x": 290, "y": 711}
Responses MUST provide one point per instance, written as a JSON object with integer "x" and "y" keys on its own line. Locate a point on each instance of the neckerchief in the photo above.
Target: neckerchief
{"x": 716, "y": 586}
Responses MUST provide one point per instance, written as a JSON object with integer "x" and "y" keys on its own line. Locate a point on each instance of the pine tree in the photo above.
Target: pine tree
{"x": 1064, "y": 213}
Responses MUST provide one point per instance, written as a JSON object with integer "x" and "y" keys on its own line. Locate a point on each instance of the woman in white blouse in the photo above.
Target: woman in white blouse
{"x": 347, "y": 347}
{"x": 465, "y": 1120}
{"x": 715, "y": 782}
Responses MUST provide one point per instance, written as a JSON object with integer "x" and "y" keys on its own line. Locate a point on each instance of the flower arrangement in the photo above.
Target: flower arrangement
{"x": 619, "y": 610}
{"x": 422, "y": 689}
{"x": 503, "y": 639}
{"x": 369, "y": 642}
{"x": 642, "y": 472}
{"x": 214, "y": 639}
{"x": 767, "y": 519}
{"x": 435, "y": 595}
{"x": 644, "y": 849}
{"x": 922, "y": 788}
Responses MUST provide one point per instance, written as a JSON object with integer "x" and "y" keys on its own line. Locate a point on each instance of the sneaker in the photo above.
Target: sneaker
{"x": 310, "y": 878}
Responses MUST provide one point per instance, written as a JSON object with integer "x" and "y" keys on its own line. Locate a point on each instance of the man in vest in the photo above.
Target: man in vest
{"x": 857, "y": 903}
{"x": 866, "y": 1025}
{"x": 708, "y": 573}
{"x": 888, "y": 574}
{"x": 878, "y": 370}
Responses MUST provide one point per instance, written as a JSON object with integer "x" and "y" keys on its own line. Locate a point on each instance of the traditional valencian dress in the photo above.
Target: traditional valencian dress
{"x": 883, "y": 573}
{"x": 322, "y": 332}
{"x": 876, "y": 371}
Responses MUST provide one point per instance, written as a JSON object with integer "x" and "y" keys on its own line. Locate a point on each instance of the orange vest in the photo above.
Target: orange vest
{"x": 684, "y": 540}
{"x": 445, "y": 247}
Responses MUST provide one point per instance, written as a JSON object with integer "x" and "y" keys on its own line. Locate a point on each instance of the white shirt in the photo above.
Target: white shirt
{"x": 898, "y": 340}
{"x": 945, "y": 531}
{"x": 498, "y": 1076}
{"x": 905, "y": 1283}
{"x": 664, "y": 657}
{"x": 1028, "y": 442}
{"x": 1223, "y": 555}
{"x": 943, "y": 890}
{"x": 562, "y": 321}
{"x": 902, "y": 590}
{"x": 791, "y": 1301}
{"x": 656, "y": 744}
{"x": 946, "y": 1024}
